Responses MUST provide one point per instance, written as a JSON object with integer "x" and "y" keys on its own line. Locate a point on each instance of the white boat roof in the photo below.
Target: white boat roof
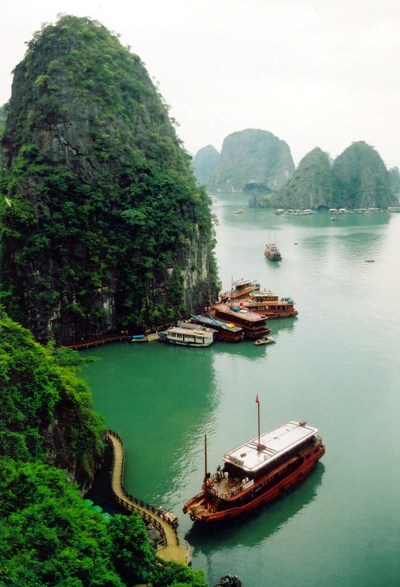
{"x": 275, "y": 443}
{"x": 190, "y": 331}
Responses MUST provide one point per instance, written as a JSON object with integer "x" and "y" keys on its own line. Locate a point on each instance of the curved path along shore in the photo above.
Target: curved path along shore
{"x": 169, "y": 547}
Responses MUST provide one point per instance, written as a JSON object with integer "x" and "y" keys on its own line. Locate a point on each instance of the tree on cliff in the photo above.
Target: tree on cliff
{"x": 107, "y": 228}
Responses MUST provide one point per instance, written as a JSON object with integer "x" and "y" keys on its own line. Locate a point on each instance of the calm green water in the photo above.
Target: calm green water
{"x": 336, "y": 365}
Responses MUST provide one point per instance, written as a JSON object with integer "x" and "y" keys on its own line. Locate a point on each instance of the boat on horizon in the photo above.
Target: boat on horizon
{"x": 257, "y": 472}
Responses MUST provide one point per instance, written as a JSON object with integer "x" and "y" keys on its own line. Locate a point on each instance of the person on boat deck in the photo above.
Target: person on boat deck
{"x": 208, "y": 481}
{"x": 219, "y": 473}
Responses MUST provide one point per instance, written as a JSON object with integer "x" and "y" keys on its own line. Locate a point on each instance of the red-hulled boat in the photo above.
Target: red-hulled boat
{"x": 257, "y": 472}
{"x": 269, "y": 304}
{"x": 239, "y": 289}
{"x": 254, "y": 325}
{"x": 227, "y": 331}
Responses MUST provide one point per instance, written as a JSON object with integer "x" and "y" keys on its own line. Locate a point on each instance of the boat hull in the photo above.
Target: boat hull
{"x": 253, "y": 328}
{"x": 189, "y": 335}
{"x": 199, "y": 510}
{"x": 272, "y": 314}
{"x": 191, "y": 344}
{"x": 225, "y": 332}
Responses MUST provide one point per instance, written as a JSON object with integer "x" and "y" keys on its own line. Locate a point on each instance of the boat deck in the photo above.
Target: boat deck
{"x": 225, "y": 486}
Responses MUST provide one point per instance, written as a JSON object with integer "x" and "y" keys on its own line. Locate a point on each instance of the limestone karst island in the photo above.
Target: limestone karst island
{"x": 109, "y": 233}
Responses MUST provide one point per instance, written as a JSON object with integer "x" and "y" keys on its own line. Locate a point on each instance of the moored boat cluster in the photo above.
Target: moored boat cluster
{"x": 240, "y": 313}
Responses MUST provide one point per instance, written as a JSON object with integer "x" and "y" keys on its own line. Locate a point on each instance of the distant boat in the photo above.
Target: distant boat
{"x": 264, "y": 340}
{"x": 272, "y": 252}
{"x": 139, "y": 338}
{"x": 239, "y": 211}
{"x": 194, "y": 337}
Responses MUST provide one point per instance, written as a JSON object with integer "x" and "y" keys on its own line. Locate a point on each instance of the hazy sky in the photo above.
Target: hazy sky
{"x": 313, "y": 72}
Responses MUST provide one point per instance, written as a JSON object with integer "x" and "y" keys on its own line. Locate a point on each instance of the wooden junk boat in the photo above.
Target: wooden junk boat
{"x": 188, "y": 336}
{"x": 227, "y": 331}
{"x": 239, "y": 289}
{"x": 272, "y": 252}
{"x": 254, "y": 325}
{"x": 269, "y": 304}
{"x": 257, "y": 472}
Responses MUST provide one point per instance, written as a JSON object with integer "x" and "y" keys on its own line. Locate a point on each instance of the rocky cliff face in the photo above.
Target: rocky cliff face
{"x": 205, "y": 164}
{"x": 311, "y": 185}
{"x": 103, "y": 198}
{"x": 253, "y": 158}
{"x": 358, "y": 178}
{"x": 394, "y": 174}
{"x": 361, "y": 179}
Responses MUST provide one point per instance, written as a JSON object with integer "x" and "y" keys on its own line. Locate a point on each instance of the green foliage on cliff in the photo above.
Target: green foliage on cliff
{"x": 311, "y": 185}
{"x": 46, "y": 411}
{"x": 361, "y": 179}
{"x": 358, "y": 178}
{"x": 49, "y": 433}
{"x": 252, "y": 156}
{"x": 105, "y": 208}
{"x": 394, "y": 175}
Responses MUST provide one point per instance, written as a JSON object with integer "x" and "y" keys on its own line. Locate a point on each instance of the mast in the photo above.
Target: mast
{"x": 259, "y": 445}
{"x": 205, "y": 458}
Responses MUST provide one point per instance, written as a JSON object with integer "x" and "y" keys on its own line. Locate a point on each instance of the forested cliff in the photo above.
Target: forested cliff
{"x": 205, "y": 164}
{"x": 361, "y": 179}
{"x": 311, "y": 185}
{"x": 104, "y": 226}
{"x": 50, "y": 445}
{"x": 250, "y": 159}
{"x": 357, "y": 178}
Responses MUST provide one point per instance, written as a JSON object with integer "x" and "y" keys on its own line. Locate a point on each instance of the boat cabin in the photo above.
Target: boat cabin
{"x": 254, "y": 326}
{"x": 254, "y": 457}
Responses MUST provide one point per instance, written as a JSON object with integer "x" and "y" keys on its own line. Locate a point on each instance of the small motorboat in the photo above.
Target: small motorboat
{"x": 264, "y": 340}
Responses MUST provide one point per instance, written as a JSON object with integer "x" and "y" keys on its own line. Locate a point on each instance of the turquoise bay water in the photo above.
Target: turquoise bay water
{"x": 336, "y": 365}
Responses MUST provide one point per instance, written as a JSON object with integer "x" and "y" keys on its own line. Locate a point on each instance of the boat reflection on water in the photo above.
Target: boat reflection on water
{"x": 265, "y": 522}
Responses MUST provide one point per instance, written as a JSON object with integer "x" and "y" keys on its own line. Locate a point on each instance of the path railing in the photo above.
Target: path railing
{"x": 165, "y": 522}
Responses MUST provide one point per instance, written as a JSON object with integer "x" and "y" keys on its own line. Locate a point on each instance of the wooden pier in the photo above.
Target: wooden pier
{"x": 93, "y": 342}
{"x": 169, "y": 546}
